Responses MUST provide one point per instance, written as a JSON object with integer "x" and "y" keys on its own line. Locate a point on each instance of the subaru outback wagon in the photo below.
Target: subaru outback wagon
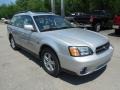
{"x": 58, "y": 44}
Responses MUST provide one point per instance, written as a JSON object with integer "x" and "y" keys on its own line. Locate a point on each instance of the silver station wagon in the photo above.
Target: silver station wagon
{"x": 58, "y": 44}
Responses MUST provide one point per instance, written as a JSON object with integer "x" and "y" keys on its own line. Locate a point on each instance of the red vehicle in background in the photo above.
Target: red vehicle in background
{"x": 116, "y": 24}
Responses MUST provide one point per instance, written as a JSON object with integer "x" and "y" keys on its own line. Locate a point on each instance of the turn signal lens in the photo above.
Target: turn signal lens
{"x": 74, "y": 51}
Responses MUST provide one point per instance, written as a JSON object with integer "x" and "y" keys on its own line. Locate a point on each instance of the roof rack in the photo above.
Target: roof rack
{"x": 34, "y": 12}
{"x": 43, "y": 12}
{"x": 23, "y": 12}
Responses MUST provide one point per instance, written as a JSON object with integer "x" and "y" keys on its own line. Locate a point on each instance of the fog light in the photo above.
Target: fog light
{"x": 84, "y": 70}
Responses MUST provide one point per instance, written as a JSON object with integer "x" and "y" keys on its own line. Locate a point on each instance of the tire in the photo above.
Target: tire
{"x": 117, "y": 32}
{"x": 97, "y": 27}
{"x": 50, "y": 62}
{"x": 13, "y": 44}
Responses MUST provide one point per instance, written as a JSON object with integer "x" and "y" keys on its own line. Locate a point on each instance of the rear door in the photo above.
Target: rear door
{"x": 15, "y": 28}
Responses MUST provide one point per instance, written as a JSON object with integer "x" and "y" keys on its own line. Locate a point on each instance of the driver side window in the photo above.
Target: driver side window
{"x": 28, "y": 20}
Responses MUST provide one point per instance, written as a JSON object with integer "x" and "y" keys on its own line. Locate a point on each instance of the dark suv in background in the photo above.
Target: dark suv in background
{"x": 96, "y": 19}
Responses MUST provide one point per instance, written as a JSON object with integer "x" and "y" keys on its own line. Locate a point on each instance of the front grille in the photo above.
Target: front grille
{"x": 102, "y": 48}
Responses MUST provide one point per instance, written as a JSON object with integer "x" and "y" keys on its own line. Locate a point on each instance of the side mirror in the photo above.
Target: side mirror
{"x": 29, "y": 27}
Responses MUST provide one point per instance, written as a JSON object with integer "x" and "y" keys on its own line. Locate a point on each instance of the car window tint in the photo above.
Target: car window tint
{"x": 51, "y": 21}
{"x": 42, "y": 22}
{"x": 17, "y": 21}
{"x": 13, "y": 20}
{"x": 27, "y": 20}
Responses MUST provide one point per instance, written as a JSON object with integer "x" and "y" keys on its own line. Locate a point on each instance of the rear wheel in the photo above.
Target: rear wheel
{"x": 97, "y": 27}
{"x": 50, "y": 62}
{"x": 12, "y": 43}
{"x": 117, "y": 31}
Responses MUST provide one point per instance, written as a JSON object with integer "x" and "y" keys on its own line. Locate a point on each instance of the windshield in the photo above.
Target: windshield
{"x": 51, "y": 22}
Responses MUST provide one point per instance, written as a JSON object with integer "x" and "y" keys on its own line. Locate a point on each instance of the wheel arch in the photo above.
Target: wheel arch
{"x": 50, "y": 47}
{"x": 10, "y": 35}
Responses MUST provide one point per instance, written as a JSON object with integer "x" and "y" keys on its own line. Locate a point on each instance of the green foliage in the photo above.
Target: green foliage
{"x": 8, "y": 11}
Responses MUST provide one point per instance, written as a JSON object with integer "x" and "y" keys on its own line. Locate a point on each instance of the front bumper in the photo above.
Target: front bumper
{"x": 89, "y": 64}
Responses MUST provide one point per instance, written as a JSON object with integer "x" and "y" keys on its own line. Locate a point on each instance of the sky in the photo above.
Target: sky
{"x": 6, "y": 1}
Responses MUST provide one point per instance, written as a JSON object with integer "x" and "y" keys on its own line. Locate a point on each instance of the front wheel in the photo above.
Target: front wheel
{"x": 50, "y": 62}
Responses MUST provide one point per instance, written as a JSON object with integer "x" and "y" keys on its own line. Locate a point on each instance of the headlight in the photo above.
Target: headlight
{"x": 80, "y": 51}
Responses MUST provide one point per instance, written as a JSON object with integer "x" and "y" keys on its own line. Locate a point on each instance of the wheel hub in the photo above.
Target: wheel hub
{"x": 12, "y": 43}
{"x": 49, "y": 62}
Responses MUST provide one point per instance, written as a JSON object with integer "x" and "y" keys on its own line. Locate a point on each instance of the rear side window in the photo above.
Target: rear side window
{"x": 20, "y": 21}
{"x": 13, "y": 20}
{"x": 17, "y": 21}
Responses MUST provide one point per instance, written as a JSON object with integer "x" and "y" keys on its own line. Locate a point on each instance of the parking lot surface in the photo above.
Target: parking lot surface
{"x": 19, "y": 70}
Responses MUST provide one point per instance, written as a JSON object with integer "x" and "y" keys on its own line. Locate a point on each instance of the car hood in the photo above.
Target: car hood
{"x": 78, "y": 37}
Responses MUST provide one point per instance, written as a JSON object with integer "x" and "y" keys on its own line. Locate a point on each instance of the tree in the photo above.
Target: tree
{"x": 113, "y": 6}
{"x": 22, "y": 4}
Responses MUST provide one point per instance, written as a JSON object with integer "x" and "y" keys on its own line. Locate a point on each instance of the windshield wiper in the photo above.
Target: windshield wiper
{"x": 52, "y": 29}
{"x": 49, "y": 29}
{"x": 66, "y": 27}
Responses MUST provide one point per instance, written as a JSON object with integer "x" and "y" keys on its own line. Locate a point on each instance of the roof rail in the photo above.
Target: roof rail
{"x": 34, "y": 12}
{"x": 23, "y": 12}
{"x": 51, "y": 12}
{"x": 43, "y": 12}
